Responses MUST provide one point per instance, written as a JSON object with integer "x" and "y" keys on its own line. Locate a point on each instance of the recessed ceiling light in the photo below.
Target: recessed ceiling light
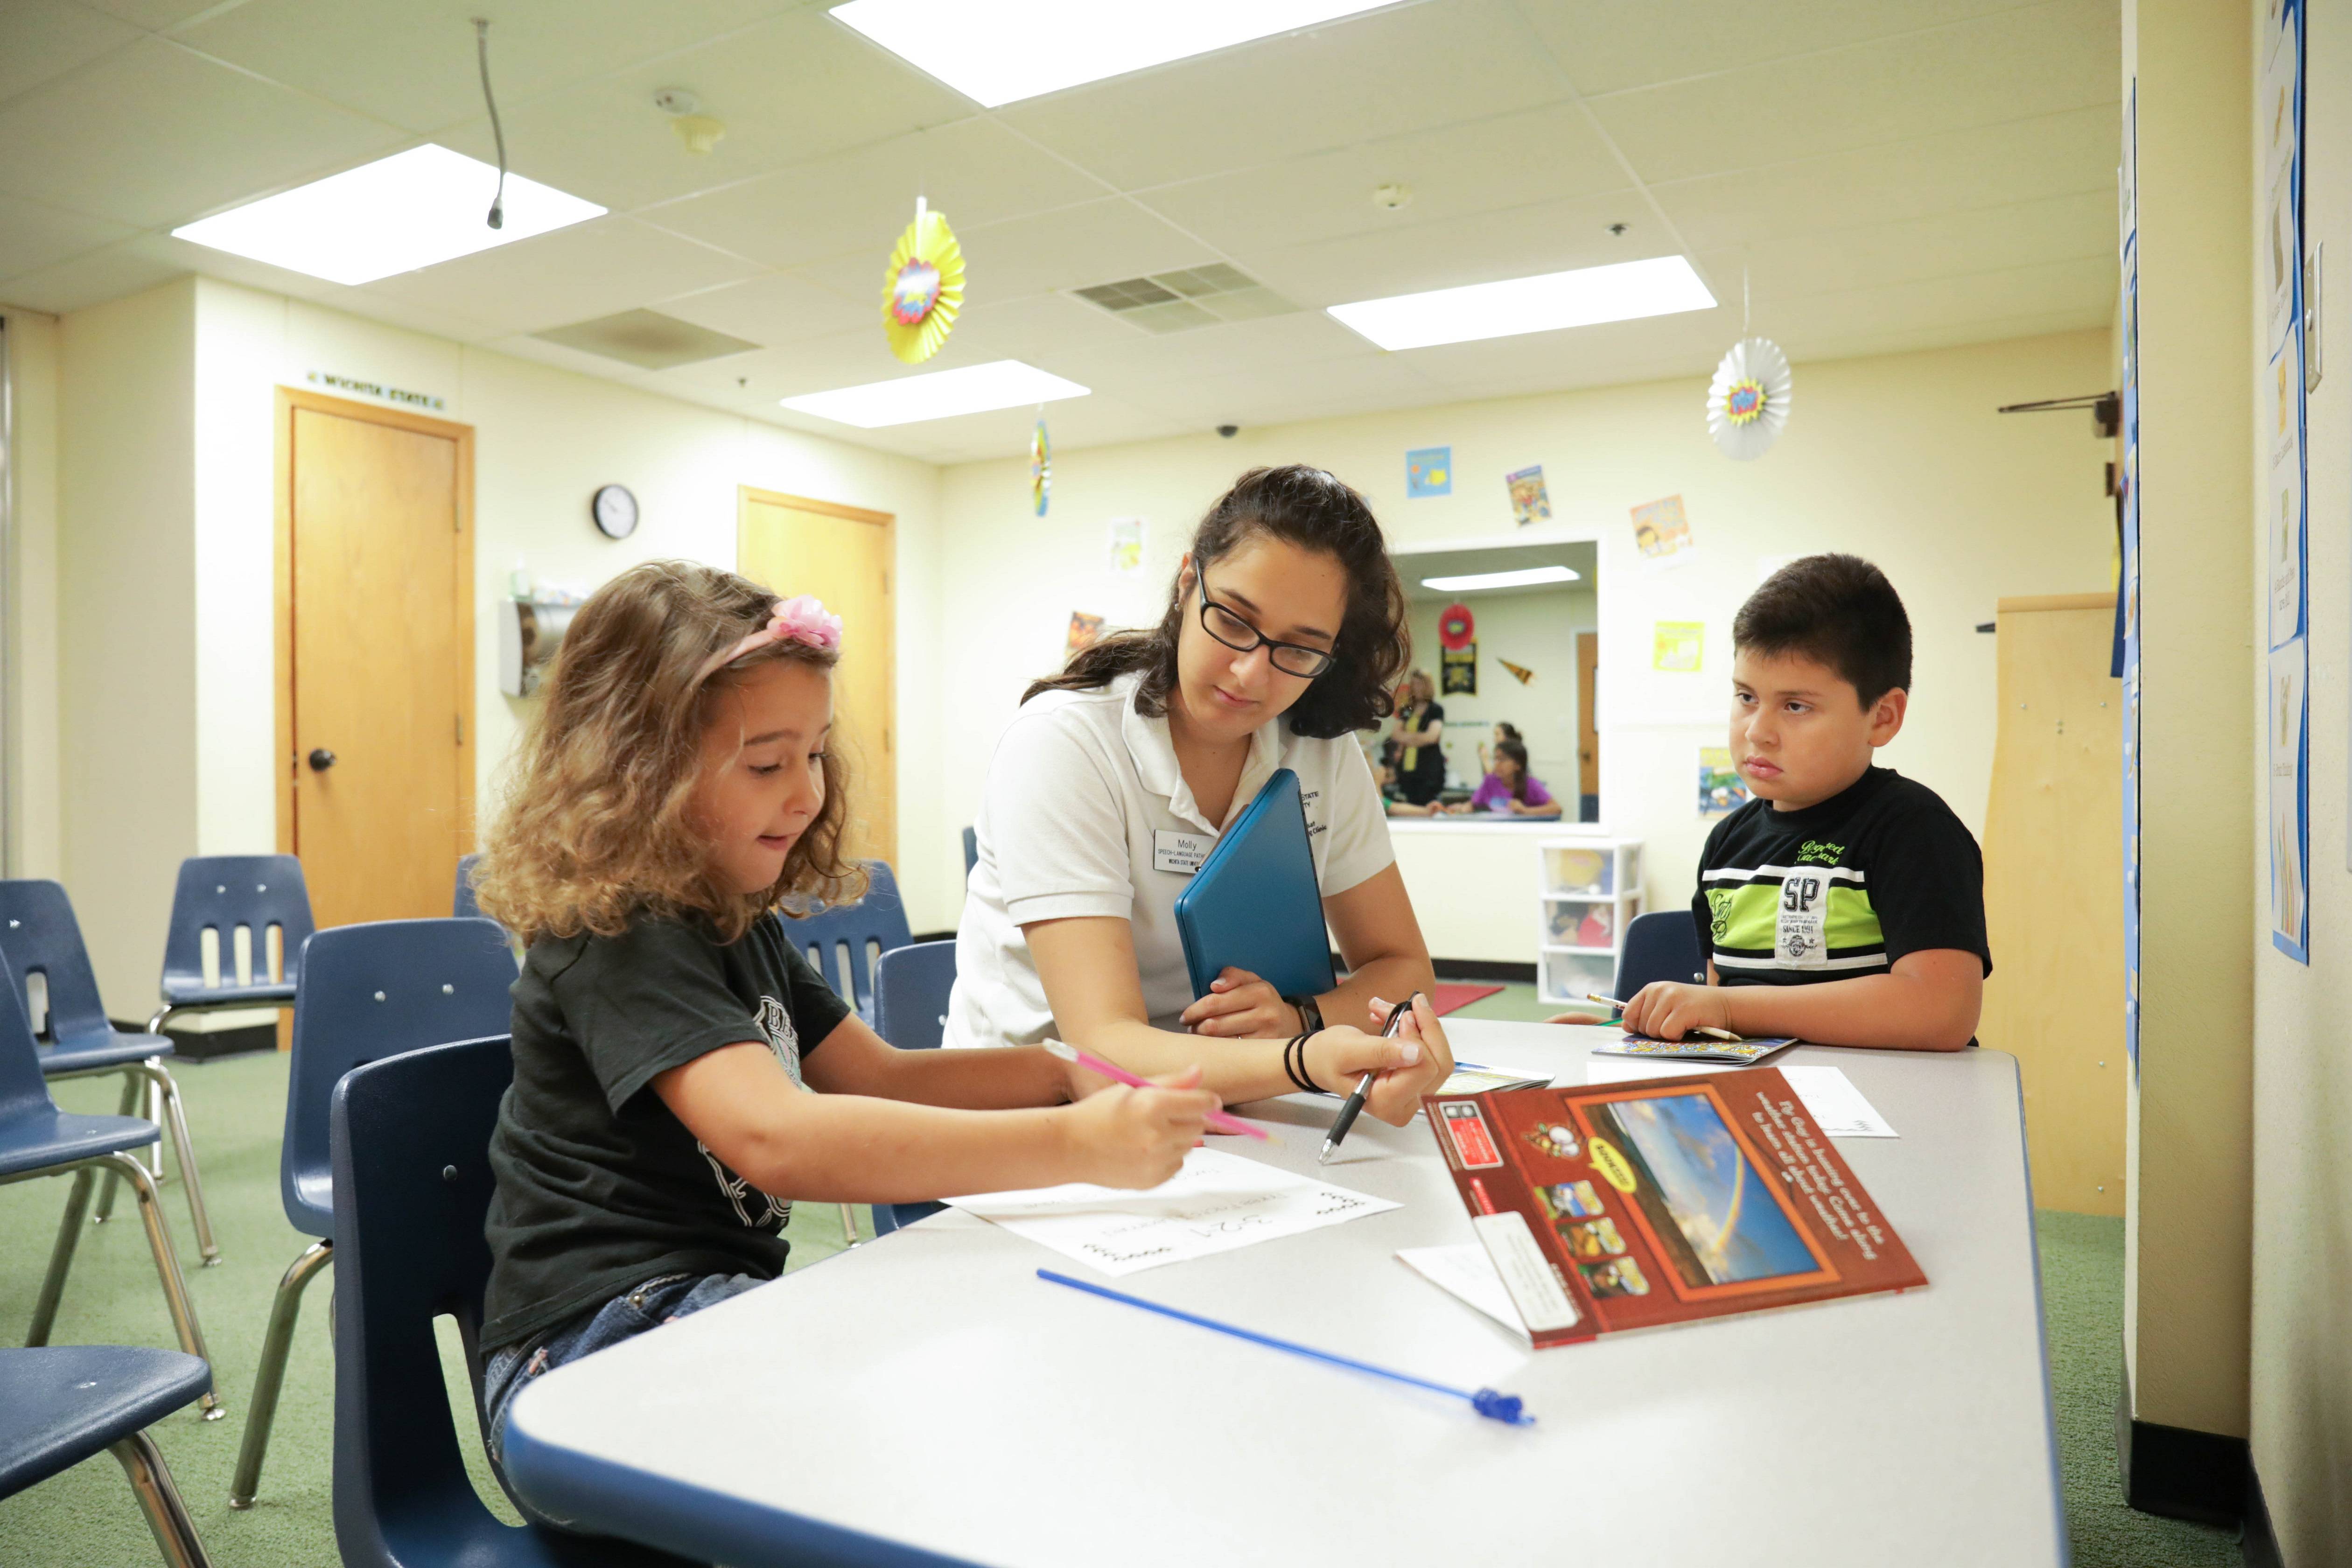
{"x": 1621, "y": 292}
{"x": 1012, "y": 49}
{"x": 941, "y": 395}
{"x": 395, "y": 214}
{"x": 1532, "y": 577}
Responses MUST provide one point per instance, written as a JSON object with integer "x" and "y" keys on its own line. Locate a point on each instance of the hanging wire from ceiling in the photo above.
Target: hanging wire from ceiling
{"x": 482, "y": 57}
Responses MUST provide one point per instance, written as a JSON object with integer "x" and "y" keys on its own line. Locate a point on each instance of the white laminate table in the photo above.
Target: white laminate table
{"x": 926, "y": 1398}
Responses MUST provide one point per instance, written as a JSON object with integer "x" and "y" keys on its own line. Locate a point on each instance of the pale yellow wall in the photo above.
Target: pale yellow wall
{"x": 2301, "y": 1397}
{"x": 1899, "y": 457}
{"x": 2188, "y": 1203}
{"x": 31, "y": 700}
{"x": 127, "y": 613}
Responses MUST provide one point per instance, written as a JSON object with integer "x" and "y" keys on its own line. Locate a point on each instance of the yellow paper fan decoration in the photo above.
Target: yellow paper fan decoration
{"x": 924, "y": 287}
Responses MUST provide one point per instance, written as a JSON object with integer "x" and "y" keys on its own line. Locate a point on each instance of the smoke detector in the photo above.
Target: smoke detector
{"x": 1392, "y": 197}
{"x": 675, "y": 100}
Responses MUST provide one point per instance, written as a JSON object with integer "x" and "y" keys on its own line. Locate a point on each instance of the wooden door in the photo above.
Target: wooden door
{"x": 2053, "y": 891}
{"x": 843, "y": 556}
{"x": 375, "y": 654}
{"x": 1587, "y": 731}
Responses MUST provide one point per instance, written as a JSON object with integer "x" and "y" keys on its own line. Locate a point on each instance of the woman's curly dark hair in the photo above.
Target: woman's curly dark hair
{"x": 1310, "y": 508}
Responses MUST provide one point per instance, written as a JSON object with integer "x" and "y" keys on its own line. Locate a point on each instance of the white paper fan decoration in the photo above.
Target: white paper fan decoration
{"x": 1749, "y": 400}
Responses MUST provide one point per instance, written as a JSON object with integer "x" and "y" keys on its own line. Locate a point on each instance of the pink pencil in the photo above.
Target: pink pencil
{"x": 1112, "y": 1071}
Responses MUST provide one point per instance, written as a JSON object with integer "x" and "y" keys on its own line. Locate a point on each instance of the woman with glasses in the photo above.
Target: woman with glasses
{"x": 1284, "y": 635}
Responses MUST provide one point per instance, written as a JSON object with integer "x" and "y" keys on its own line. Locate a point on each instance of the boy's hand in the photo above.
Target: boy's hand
{"x": 1241, "y": 1006}
{"x": 1125, "y": 1137}
{"x": 1667, "y": 1010}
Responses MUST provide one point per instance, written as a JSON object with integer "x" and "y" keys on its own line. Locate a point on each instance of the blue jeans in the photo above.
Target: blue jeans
{"x": 648, "y": 1305}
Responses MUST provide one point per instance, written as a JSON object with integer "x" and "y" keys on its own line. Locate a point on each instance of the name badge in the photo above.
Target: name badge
{"x": 1801, "y": 941}
{"x": 1181, "y": 852}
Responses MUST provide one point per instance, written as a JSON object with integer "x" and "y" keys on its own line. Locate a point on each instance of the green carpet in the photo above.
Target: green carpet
{"x": 235, "y": 1108}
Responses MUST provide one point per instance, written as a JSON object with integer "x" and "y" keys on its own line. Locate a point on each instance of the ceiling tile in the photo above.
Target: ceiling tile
{"x": 974, "y": 171}
{"x": 589, "y": 270}
{"x": 1276, "y": 346}
{"x": 413, "y": 62}
{"x": 2062, "y": 228}
{"x": 152, "y": 135}
{"x": 2041, "y": 60}
{"x": 1553, "y": 236}
{"x": 33, "y": 236}
{"x": 2074, "y": 152}
{"x": 153, "y": 15}
{"x": 820, "y": 364}
{"x": 1274, "y": 393}
{"x": 1075, "y": 424}
{"x": 793, "y": 90}
{"x": 90, "y": 280}
{"x": 776, "y": 308}
{"x": 1043, "y": 329}
{"x": 1407, "y": 68}
{"x": 1581, "y": 356}
{"x": 2083, "y": 292}
{"x": 1454, "y": 172}
{"x": 1605, "y": 48}
{"x": 43, "y": 38}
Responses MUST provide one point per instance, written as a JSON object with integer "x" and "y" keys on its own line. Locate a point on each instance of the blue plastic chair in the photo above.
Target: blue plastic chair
{"x": 970, "y": 851}
{"x": 879, "y": 919}
{"x": 63, "y": 1405}
{"x": 77, "y": 1040}
{"x": 368, "y": 992}
{"x": 37, "y": 1139}
{"x": 412, "y": 1187}
{"x": 465, "y": 906}
{"x": 1660, "y": 946}
{"x": 911, "y": 985}
{"x": 221, "y": 893}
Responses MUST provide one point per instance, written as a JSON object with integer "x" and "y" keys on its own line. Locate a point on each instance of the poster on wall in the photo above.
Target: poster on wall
{"x": 1429, "y": 471}
{"x": 2286, "y": 503}
{"x": 1721, "y": 790}
{"x": 1123, "y": 545}
{"x": 2128, "y": 522}
{"x": 1084, "y": 631}
{"x": 1662, "y": 529}
{"x": 1531, "y": 501}
{"x": 1457, "y": 670}
{"x": 1678, "y": 648}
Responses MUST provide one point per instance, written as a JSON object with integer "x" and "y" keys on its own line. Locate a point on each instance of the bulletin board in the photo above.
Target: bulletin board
{"x": 2286, "y": 511}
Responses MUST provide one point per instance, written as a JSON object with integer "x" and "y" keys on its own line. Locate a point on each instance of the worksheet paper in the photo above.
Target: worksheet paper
{"x": 1468, "y": 1272}
{"x": 1216, "y": 1203}
{"x": 1839, "y": 1107}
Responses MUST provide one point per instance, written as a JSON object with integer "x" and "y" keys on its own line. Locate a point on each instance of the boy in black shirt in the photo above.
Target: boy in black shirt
{"x": 1843, "y": 904}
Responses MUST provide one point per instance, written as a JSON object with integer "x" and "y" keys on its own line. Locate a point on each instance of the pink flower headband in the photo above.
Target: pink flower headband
{"x": 802, "y": 620}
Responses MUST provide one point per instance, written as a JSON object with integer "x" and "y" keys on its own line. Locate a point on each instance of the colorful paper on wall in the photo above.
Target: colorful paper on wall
{"x": 2127, "y": 659}
{"x": 1661, "y": 528}
{"x": 2287, "y": 504}
{"x": 1678, "y": 648}
{"x": 1123, "y": 543}
{"x": 1721, "y": 790}
{"x": 1457, "y": 670}
{"x": 1531, "y": 501}
{"x": 1086, "y": 630}
{"x": 1429, "y": 471}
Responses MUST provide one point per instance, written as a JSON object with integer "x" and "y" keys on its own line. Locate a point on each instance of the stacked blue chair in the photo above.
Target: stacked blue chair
{"x": 76, "y": 1039}
{"x": 879, "y": 919}
{"x": 911, "y": 986}
{"x": 37, "y": 1139}
{"x": 1660, "y": 946}
{"x": 412, "y": 1184}
{"x": 368, "y": 992}
{"x": 58, "y": 1407}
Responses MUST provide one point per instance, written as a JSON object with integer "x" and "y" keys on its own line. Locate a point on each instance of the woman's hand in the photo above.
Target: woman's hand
{"x": 1668, "y": 1010}
{"x": 1125, "y": 1137}
{"x": 1241, "y": 1006}
{"x": 1411, "y": 1063}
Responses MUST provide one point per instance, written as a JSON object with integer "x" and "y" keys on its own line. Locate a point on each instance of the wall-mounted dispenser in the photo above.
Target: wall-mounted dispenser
{"x": 530, "y": 631}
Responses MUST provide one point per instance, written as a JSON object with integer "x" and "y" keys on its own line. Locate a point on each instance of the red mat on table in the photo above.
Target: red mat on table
{"x": 1451, "y": 996}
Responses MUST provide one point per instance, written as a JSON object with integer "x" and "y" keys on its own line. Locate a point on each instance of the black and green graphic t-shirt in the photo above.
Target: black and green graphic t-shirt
{"x": 599, "y": 1186}
{"x": 1840, "y": 889}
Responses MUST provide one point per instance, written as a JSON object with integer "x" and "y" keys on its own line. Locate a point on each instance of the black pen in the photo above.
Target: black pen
{"x": 1355, "y": 1106}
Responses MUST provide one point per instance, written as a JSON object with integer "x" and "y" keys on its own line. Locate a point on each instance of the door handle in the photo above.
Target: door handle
{"x": 321, "y": 758}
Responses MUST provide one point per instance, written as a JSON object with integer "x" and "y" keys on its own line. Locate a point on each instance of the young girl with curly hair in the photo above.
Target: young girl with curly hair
{"x": 674, "y": 793}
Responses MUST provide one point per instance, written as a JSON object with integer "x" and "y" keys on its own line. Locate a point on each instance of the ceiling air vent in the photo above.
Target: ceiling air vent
{"x": 646, "y": 339}
{"x": 1195, "y": 297}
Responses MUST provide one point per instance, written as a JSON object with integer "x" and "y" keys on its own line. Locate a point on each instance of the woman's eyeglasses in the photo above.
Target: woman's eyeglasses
{"x": 1290, "y": 658}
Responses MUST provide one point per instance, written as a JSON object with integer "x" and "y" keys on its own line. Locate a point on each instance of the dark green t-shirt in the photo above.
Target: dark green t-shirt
{"x": 599, "y": 1186}
{"x": 1842, "y": 889}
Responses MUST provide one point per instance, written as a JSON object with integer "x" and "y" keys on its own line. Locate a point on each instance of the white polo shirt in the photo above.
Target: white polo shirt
{"x": 1087, "y": 812}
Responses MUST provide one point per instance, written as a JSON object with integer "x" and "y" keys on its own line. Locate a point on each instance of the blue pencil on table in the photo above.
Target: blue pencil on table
{"x": 1486, "y": 1402}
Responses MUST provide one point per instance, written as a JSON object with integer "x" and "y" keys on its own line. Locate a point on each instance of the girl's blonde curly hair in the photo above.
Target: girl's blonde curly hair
{"x": 596, "y": 831}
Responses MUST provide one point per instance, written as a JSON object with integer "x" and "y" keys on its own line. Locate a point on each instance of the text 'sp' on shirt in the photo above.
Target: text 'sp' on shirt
{"x": 1840, "y": 889}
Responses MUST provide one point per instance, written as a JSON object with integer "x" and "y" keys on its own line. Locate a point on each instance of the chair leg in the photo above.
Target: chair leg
{"x": 167, "y": 1266}
{"x": 272, "y": 1375}
{"x": 53, "y": 1285}
{"x": 152, "y": 1110}
{"x": 185, "y": 1151}
{"x": 850, "y": 1225}
{"x": 133, "y": 1087}
{"x": 159, "y": 1499}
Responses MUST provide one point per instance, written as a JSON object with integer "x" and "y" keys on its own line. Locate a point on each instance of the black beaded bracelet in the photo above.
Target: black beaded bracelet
{"x": 1295, "y": 1070}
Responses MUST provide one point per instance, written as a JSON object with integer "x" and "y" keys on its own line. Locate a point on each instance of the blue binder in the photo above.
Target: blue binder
{"x": 1254, "y": 904}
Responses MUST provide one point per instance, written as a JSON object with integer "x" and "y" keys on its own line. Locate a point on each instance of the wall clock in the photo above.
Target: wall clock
{"x": 615, "y": 511}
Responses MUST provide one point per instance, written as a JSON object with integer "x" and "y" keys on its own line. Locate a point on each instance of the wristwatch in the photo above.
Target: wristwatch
{"x": 1310, "y": 1013}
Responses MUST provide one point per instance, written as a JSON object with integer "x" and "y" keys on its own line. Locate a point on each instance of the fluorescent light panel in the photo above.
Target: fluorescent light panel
{"x": 1530, "y": 577}
{"x": 1011, "y": 49}
{"x": 1621, "y": 292}
{"x": 941, "y": 395}
{"x": 398, "y": 213}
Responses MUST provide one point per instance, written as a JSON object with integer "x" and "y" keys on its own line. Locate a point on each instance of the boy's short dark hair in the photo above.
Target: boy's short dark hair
{"x": 1838, "y": 610}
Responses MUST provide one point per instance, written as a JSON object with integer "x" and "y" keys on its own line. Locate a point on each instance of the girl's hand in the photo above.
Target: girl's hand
{"x": 1125, "y": 1137}
{"x": 1410, "y": 1063}
{"x": 1241, "y": 1006}
{"x": 1576, "y": 1018}
{"x": 1667, "y": 1009}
